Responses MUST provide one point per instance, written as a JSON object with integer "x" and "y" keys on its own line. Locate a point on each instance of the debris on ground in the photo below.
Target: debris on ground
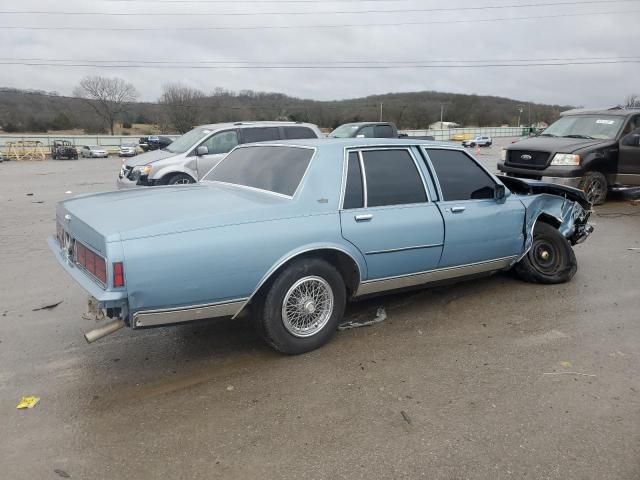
{"x": 405, "y": 417}
{"x": 381, "y": 316}
{"x": 29, "y": 194}
{"x": 569, "y": 373}
{"x": 565, "y": 364}
{"x": 61, "y": 473}
{"x": 230, "y": 388}
{"x": 27, "y": 402}
{"x": 48, "y": 307}
{"x": 68, "y": 192}
{"x": 635, "y": 249}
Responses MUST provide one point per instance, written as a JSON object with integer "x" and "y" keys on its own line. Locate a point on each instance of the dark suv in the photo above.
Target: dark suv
{"x": 594, "y": 150}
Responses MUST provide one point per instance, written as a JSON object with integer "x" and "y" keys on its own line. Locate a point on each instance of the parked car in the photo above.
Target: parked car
{"x": 154, "y": 142}
{"x": 128, "y": 150}
{"x": 63, "y": 149}
{"x": 478, "y": 141}
{"x": 593, "y": 150}
{"x": 192, "y": 155}
{"x": 293, "y": 230}
{"x": 92, "y": 151}
{"x": 371, "y": 130}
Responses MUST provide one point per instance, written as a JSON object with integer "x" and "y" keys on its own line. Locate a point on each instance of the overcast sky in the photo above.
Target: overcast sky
{"x": 602, "y": 35}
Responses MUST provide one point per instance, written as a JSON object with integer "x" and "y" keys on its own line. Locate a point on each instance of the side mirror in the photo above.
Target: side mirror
{"x": 361, "y": 135}
{"x": 202, "y": 150}
{"x": 500, "y": 192}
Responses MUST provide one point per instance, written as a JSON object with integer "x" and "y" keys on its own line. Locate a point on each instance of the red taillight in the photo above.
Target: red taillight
{"x": 118, "y": 275}
{"x": 91, "y": 262}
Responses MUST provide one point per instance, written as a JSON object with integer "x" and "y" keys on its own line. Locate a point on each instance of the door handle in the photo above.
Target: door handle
{"x": 458, "y": 209}
{"x": 363, "y": 218}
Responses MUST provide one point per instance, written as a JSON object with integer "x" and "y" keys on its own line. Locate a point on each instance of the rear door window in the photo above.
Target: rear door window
{"x": 222, "y": 142}
{"x": 293, "y": 133}
{"x": 460, "y": 177}
{"x": 260, "y": 134}
{"x": 392, "y": 178}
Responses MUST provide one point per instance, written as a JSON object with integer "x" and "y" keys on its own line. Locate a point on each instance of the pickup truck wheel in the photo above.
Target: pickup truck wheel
{"x": 303, "y": 306}
{"x": 180, "y": 179}
{"x": 551, "y": 258}
{"x": 594, "y": 185}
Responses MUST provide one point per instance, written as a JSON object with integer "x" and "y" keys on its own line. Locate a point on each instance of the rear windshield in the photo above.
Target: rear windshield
{"x": 276, "y": 169}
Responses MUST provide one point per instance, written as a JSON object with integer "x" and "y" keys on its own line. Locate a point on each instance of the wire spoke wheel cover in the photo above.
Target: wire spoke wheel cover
{"x": 307, "y": 306}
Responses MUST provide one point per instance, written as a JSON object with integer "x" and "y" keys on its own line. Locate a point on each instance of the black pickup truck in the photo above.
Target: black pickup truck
{"x": 597, "y": 151}
{"x": 370, "y": 130}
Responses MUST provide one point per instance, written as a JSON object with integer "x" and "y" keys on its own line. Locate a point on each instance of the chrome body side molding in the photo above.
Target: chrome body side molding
{"x": 154, "y": 318}
{"x": 414, "y": 279}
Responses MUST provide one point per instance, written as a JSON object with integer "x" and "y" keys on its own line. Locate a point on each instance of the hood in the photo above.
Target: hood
{"x": 140, "y": 212}
{"x": 555, "y": 144}
{"x": 149, "y": 157}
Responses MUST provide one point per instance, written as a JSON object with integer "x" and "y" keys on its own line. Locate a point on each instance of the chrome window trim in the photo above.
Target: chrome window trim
{"x": 165, "y": 316}
{"x": 360, "y": 151}
{"x": 276, "y": 266}
{"x": 260, "y": 145}
{"x": 420, "y": 278}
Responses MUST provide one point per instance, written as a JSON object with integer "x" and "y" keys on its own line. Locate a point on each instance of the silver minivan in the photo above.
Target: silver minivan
{"x": 196, "y": 152}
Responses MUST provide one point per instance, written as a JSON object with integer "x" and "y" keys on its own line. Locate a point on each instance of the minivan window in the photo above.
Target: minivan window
{"x": 460, "y": 177}
{"x": 264, "y": 134}
{"x": 188, "y": 140}
{"x": 392, "y": 178}
{"x": 354, "y": 192}
{"x": 222, "y": 142}
{"x": 294, "y": 133}
{"x": 366, "y": 132}
{"x": 383, "y": 131}
{"x": 345, "y": 131}
{"x": 277, "y": 169}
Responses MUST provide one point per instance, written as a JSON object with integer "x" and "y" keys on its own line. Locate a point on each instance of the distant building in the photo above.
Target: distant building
{"x": 443, "y": 125}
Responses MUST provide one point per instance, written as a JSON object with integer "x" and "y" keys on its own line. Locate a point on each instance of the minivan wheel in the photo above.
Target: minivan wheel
{"x": 550, "y": 259}
{"x": 302, "y": 307}
{"x": 594, "y": 185}
{"x": 180, "y": 179}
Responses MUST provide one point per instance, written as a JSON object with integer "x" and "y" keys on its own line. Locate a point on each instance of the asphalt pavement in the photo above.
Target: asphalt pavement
{"x": 489, "y": 379}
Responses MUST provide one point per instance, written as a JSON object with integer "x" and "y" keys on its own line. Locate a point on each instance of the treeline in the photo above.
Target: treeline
{"x": 181, "y": 107}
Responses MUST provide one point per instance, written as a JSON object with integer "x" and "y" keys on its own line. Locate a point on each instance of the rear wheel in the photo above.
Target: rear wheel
{"x": 594, "y": 185}
{"x": 302, "y": 307}
{"x": 180, "y": 179}
{"x": 551, "y": 258}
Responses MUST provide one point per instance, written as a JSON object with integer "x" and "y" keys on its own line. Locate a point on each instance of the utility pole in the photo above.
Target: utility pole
{"x": 520, "y": 110}
{"x": 529, "y": 114}
{"x": 381, "y": 110}
{"x": 441, "y": 114}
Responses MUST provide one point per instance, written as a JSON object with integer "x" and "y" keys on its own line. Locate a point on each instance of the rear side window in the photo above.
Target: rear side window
{"x": 383, "y": 131}
{"x": 460, "y": 177}
{"x": 222, "y": 142}
{"x": 354, "y": 192}
{"x": 392, "y": 178}
{"x": 293, "y": 133}
{"x": 263, "y": 134}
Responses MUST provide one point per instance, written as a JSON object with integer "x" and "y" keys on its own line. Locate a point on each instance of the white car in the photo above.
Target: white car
{"x": 128, "y": 150}
{"x": 480, "y": 141}
{"x": 92, "y": 151}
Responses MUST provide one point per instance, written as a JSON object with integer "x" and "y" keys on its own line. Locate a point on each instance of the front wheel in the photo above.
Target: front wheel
{"x": 302, "y": 307}
{"x": 594, "y": 185}
{"x": 551, "y": 258}
{"x": 180, "y": 179}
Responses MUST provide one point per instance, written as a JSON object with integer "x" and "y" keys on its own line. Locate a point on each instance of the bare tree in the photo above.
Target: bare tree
{"x": 109, "y": 97}
{"x": 181, "y": 105}
{"x": 632, "y": 101}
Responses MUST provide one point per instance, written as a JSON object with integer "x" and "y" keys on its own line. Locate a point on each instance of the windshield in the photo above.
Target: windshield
{"x": 585, "y": 126}
{"x": 275, "y": 169}
{"x": 344, "y": 131}
{"x": 188, "y": 140}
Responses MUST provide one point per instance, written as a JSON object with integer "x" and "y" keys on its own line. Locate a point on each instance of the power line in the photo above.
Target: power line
{"x": 314, "y": 62}
{"x": 291, "y": 27}
{"x": 315, "y": 67}
{"x": 252, "y": 14}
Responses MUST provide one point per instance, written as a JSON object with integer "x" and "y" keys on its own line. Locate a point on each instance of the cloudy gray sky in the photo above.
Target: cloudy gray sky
{"x": 461, "y": 33}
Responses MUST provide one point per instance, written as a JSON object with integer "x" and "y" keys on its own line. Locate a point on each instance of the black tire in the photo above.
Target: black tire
{"x": 551, "y": 258}
{"x": 180, "y": 179}
{"x": 281, "y": 334}
{"x": 472, "y": 144}
{"x": 595, "y": 187}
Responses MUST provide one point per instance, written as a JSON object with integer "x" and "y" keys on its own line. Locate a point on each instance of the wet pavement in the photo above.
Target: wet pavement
{"x": 490, "y": 379}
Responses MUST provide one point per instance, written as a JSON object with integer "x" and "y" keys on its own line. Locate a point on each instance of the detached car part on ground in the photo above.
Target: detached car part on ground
{"x": 596, "y": 151}
{"x": 292, "y": 231}
{"x": 191, "y": 156}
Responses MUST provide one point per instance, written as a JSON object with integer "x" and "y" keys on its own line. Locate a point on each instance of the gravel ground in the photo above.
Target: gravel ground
{"x": 490, "y": 379}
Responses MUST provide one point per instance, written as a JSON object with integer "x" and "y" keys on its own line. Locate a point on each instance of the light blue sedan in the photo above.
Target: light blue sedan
{"x": 296, "y": 229}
